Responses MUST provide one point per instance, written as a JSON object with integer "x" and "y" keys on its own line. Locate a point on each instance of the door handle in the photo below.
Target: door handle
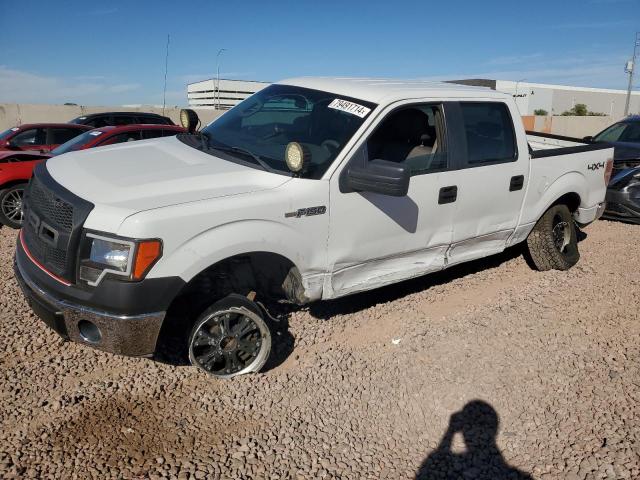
{"x": 517, "y": 182}
{"x": 448, "y": 194}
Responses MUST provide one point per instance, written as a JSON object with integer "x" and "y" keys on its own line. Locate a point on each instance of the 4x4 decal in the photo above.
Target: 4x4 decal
{"x": 596, "y": 166}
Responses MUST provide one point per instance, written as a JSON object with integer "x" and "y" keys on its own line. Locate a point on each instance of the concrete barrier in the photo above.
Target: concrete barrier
{"x": 570, "y": 126}
{"x": 12, "y": 114}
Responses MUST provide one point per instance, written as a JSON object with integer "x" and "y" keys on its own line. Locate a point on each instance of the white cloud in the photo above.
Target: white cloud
{"x": 17, "y": 86}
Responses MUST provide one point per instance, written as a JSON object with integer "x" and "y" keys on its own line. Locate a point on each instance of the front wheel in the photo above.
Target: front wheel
{"x": 230, "y": 338}
{"x": 553, "y": 242}
{"x": 11, "y": 206}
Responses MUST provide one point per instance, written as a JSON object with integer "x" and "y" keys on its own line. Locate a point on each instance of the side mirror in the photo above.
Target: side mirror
{"x": 380, "y": 176}
{"x": 588, "y": 139}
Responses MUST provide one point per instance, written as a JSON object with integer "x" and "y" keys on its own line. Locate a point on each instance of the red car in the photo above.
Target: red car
{"x": 39, "y": 136}
{"x": 16, "y": 167}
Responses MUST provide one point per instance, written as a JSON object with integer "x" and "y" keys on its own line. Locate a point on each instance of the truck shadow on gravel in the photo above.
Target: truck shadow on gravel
{"x": 477, "y": 423}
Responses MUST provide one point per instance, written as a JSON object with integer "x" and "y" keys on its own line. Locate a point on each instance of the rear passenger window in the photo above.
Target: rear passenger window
{"x": 62, "y": 135}
{"x": 147, "y": 134}
{"x": 150, "y": 120}
{"x": 101, "y": 121}
{"x": 489, "y": 133}
{"x": 123, "y": 120}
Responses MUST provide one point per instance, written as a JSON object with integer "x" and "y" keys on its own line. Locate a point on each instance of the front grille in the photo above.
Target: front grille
{"x": 53, "y": 220}
{"x": 51, "y": 207}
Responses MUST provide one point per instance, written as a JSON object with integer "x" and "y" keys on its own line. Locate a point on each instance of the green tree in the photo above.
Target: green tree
{"x": 581, "y": 110}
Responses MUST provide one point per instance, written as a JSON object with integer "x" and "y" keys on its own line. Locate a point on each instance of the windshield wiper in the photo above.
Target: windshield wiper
{"x": 224, "y": 148}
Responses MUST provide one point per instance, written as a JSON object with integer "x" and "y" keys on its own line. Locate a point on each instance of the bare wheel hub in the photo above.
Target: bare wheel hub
{"x": 561, "y": 233}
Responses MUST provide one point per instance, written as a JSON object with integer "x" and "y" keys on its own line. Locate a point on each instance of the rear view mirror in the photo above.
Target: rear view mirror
{"x": 588, "y": 139}
{"x": 380, "y": 176}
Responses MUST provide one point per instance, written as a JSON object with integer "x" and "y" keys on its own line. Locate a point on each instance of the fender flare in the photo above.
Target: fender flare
{"x": 236, "y": 238}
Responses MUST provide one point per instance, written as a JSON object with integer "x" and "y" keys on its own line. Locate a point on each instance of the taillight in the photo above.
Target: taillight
{"x": 607, "y": 171}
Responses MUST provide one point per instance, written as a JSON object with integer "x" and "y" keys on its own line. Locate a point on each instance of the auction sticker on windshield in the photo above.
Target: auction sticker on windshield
{"x": 350, "y": 107}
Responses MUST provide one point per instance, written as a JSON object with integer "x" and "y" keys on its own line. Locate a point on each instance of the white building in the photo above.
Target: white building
{"x": 221, "y": 95}
{"x": 556, "y": 99}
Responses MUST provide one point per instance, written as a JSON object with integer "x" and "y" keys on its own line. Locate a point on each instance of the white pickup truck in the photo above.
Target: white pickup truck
{"x": 311, "y": 189}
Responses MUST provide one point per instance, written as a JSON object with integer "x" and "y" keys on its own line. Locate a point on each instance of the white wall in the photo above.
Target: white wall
{"x": 556, "y": 99}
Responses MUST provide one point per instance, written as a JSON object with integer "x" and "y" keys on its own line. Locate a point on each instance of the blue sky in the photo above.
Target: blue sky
{"x": 113, "y": 52}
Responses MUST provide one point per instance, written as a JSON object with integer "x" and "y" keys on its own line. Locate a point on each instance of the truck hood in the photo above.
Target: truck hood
{"x": 150, "y": 174}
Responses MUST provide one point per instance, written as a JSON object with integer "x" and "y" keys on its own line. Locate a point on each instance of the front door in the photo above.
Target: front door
{"x": 376, "y": 239}
{"x": 31, "y": 139}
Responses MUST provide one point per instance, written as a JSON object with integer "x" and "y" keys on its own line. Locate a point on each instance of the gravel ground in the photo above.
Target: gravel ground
{"x": 489, "y": 370}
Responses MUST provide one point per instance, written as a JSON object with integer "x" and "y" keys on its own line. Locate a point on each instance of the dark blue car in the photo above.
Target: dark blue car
{"x": 623, "y": 193}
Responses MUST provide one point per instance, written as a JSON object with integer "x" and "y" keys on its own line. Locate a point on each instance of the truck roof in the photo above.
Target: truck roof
{"x": 385, "y": 90}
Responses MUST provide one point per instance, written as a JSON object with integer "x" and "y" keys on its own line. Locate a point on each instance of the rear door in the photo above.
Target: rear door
{"x": 492, "y": 168}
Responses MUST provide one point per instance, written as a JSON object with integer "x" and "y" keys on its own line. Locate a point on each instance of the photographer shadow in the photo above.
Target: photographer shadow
{"x": 478, "y": 423}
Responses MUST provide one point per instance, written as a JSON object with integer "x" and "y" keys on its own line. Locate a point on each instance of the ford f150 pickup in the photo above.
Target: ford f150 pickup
{"x": 311, "y": 189}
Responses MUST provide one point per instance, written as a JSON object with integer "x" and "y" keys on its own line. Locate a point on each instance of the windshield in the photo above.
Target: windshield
{"x": 6, "y": 133}
{"x": 620, "y": 132}
{"x": 76, "y": 143}
{"x": 259, "y": 129}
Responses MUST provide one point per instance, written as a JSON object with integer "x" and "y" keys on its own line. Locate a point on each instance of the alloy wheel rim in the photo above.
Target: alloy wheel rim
{"x": 12, "y": 206}
{"x": 230, "y": 342}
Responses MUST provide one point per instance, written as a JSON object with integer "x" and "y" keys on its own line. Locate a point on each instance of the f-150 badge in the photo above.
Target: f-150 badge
{"x": 306, "y": 212}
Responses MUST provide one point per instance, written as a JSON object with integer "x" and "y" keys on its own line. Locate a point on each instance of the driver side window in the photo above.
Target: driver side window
{"x": 412, "y": 135}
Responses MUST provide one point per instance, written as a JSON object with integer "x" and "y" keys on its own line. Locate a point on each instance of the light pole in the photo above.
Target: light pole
{"x": 516, "y": 95}
{"x": 218, "y": 75}
{"x": 631, "y": 66}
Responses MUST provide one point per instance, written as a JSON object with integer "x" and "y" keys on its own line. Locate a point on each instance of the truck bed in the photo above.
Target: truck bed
{"x": 561, "y": 164}
{"x": 549, "y": 145}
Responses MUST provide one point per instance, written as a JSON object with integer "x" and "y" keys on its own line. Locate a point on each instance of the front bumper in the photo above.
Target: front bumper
{"x": 131, "y": 324}
{"x": 622, "y": 205}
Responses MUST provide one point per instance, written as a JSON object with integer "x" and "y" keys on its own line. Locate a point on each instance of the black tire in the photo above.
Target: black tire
{"x": 553, "y": 242}
{"x": 11, "y": 205}
{"x": 230, "y": 338}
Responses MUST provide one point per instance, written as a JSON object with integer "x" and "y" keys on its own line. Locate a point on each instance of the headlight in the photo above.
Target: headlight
{"x": 128, "y": 259}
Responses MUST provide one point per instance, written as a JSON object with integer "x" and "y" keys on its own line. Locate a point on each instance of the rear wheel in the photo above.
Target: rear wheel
{"x": 230, "y": 338}
{"x": 553, "y": 242}
{"x": 11, "y": 205}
